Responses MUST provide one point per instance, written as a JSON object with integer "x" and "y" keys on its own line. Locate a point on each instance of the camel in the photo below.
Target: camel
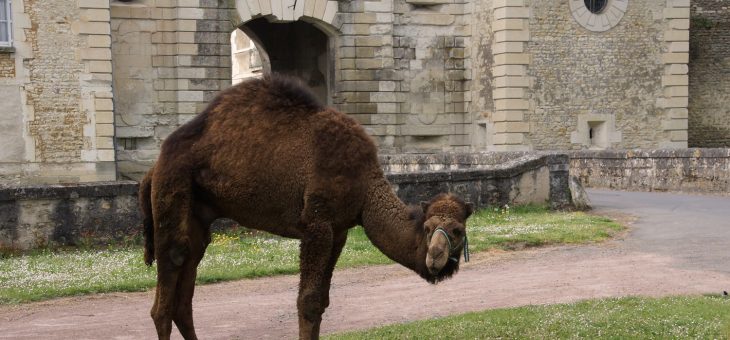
{"x": 266, "y": 154}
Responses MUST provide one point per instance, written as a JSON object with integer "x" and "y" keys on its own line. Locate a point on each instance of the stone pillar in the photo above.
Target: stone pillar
{"x": 675, "y": 80}
{"x": 368, "y": 88}
{"x": 511, "y": 83}
{"x": 96, "y": 91}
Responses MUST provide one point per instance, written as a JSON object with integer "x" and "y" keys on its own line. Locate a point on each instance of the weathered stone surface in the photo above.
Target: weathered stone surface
{"x": 688, "y": 170}
{"x": 487, "y": 179}
{"x": 422, "y": 76}
{"x": 570, "y": 81}
{"x": 709, "y": 74}
{"x": 101, "y": 212}
{"x": 578, "y": 195}
{"x": 59, "y": 215}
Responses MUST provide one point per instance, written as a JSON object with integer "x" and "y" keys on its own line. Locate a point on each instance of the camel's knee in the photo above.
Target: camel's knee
{"x": 178, "y": 254}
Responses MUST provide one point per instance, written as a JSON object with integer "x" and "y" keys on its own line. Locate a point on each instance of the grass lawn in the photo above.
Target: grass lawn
{"x": 47, "y": 274}
{"x": 698, "y": 317}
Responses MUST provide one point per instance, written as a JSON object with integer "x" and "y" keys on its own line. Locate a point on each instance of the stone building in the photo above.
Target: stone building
{"x": 90, "y": 88}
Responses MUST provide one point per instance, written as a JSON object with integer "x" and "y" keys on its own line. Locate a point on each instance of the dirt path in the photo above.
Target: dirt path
{"x": 367, "y": 297}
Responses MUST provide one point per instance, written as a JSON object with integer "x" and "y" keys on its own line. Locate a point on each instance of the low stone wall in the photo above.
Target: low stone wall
{"x": 34, "y": 216}
{"x": 685, "y": 170}
{"x": 486, "y": 179}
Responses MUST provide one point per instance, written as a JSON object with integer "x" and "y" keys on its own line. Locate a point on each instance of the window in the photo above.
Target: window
{"x": 6, "y": 23}
{"x": 595, "y": 6}
{"x": 598, "y": 15}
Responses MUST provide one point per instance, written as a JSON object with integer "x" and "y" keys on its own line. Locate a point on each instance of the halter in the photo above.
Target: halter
{"x": 451, "y": 247}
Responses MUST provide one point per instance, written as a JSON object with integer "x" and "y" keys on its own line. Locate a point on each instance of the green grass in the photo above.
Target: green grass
{"x": 698, "y": 317}
{"x": 533, "y": 225}
{"x": 47, "y": 274}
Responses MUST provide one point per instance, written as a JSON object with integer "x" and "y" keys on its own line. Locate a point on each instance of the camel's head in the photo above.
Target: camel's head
{"x": 445, "y": 227}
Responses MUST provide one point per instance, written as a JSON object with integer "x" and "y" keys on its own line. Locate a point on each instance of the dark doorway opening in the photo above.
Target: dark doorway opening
{"x": 294, "y": 48}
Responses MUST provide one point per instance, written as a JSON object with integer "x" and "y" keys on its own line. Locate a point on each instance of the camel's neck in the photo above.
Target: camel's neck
{"x": 387, "y": 224}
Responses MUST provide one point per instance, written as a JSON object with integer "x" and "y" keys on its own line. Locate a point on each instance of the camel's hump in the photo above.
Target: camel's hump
{"x": 281, "y": 91}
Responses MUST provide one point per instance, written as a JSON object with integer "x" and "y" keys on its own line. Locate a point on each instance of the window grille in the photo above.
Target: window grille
{"x": 596, "y": 6}
{"x": 6, "y": 23}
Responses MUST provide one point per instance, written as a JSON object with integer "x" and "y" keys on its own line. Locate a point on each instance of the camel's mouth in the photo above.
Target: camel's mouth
{"x": 440, "y": 263}
{"x": 447, "y": 271}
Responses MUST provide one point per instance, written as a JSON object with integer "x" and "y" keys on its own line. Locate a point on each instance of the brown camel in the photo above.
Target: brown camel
{"x": 266, "y": 154}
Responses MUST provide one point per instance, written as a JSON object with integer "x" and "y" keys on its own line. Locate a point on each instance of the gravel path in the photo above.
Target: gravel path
{"x": 678, "y": 244}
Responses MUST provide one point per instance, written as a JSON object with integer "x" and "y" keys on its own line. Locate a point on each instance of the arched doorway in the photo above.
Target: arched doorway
{"x": 296, "y": 48}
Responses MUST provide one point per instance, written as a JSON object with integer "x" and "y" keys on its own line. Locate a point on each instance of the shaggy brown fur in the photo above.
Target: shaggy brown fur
{"x": 267, "y": 155}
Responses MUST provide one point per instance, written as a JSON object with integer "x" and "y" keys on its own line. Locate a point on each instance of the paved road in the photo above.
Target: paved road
{"x": 693, "y": 229}
{"x": 678, "y": 244}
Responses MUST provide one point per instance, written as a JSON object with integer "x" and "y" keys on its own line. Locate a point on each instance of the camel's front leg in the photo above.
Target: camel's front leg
{"x": 338, "y": 242}
{"x": 314, "y": 258}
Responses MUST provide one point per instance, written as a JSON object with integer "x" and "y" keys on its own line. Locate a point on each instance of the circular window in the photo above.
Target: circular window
{"x": 598, "y": 15}
{"x": 595, "y": 6}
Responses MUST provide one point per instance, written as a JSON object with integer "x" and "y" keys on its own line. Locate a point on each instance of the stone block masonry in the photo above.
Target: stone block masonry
{"x": 63, "y": 215}
{"x": 60, "y": 65}
{"x": 709, "y": 74}
{"x": 603, "y": 90}
{"x": 7, "y": 65}
{"x": 685, "y": 170}
{"x": 107, "y": 212}
{"x": 674, "y": 82}
{"x": 170, "y": 59}
{"x": 509, "y": 71}
{"x": 422, "y": 76}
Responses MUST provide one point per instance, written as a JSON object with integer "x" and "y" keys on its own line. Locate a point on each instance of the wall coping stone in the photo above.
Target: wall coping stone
{"x": 472, "y": 166}
{"x": 71, "y": 190}
{"x": 653, "y": 153}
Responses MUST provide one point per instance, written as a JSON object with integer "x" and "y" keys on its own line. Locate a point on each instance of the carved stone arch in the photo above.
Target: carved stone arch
{"x": 320, "y": 13}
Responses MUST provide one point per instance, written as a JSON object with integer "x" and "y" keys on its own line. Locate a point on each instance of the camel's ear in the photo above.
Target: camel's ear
{"x": 469, "y": 209}
{"x": 424, "y": 206}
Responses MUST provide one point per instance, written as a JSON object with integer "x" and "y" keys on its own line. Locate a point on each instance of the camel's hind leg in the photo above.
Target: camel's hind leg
{"x": 176, "y": 272}
{"x": 199, "y": 238}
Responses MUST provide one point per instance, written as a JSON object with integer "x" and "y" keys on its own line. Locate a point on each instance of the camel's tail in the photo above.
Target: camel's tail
{"x": 145, "y": 204}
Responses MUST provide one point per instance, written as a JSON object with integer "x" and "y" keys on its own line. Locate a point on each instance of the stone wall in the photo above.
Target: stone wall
{"x": 709, "y": 74}
{"x": 486, "y": 179}
{"x": 57, "y": 102}
{"x": 481, "y": 106}
{"x": 608, "y": 81}
{"x": 103, "y": 212}
{"x": 400, "y": 67}
{"x": 422, "y": 76}
{"x": 688, "y": 170}
{"x": 7, "y": 65}
{"x": 65, "y": 215}
{"x": 170, "y": 59}
{"x": 432, "y": 49}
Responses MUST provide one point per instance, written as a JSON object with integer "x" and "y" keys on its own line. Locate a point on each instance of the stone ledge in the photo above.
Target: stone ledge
{"x": 62, "y": 191}
{"x": 654, "y": 153}
{"x": 428, "y": 2}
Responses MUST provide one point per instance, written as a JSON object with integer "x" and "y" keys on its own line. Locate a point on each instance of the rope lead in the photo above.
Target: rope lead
{"x": 466, "y": 248}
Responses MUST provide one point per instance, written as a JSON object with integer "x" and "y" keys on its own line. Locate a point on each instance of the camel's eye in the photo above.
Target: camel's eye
{"x": 458, "y": 232}
{"x": 428, "y": 226}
